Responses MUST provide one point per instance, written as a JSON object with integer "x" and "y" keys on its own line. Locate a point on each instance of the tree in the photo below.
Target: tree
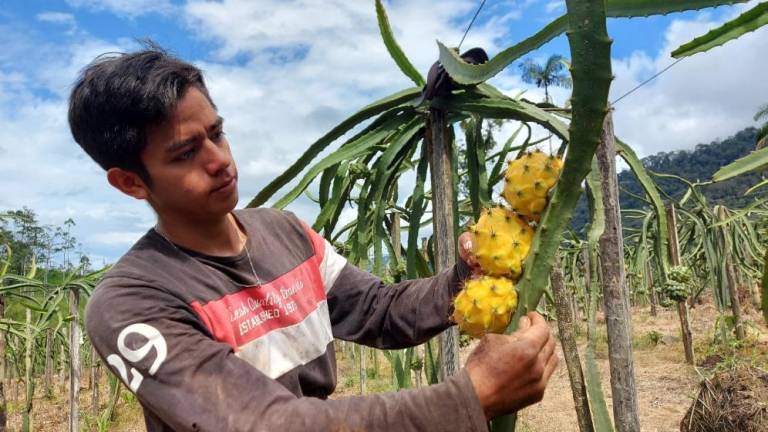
{"x": 552, "y": 73}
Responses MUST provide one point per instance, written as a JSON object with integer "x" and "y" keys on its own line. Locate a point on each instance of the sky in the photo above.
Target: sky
{"x": 284, "y": 72}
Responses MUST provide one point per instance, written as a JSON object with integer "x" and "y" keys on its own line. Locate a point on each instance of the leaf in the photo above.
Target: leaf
{"x": 350, "y": 151}
{"x": 479, "y": 194}
{"x": 646, "y": 8}
{"x": 394, "y": 49}
{"x": 464, "y": 73}
{"x": 416, "y": 213}
{"x": 337, "y": 189}
{"x": 761, "y": 184}
{"x": 764, "y": 290}
{"x": 747, "y": 22}
{"x": 432, "y": 365}
{"x": 737, "y": 214}
{"x": 6, "y": 261}
{"x": 507, "y": 109}
{"x": 652, "y": 191}
{"x": 385, "y": 174}
{"x": 325, "y": 185}
{"x": 318, "y": 146}
{"x": 496, "y": 171}
{"x": 595, "y": 391}
{"x": 753, "y": 161}
{"x": 597, "y": 223}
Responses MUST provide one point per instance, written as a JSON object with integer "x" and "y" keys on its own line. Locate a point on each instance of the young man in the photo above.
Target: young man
{"x": 224, "y": 320}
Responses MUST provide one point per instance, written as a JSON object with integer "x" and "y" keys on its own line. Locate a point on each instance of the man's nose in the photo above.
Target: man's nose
{"x": 217, "y": 157}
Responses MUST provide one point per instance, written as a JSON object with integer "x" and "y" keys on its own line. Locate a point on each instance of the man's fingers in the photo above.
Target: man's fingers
{"x": 524, "y": 323}
{"x": 536, "y": 318}
{"x": 551, "y": 366}
{"x": 548, "y": 349}
{"x": 537, "y": 332}
{"x": 465, "y": 242}
{"x": 465, "y": 253}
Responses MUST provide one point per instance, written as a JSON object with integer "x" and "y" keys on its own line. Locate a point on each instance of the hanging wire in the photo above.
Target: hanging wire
{"x": 482, "y": 3}
{"x": 647, "y": 81}
{"x": 471, "y": 22}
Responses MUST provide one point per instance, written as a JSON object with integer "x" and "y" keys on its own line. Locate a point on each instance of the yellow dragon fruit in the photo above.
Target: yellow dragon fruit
{"x": 528, "y": 180}
{"x": 485, "y": 305}
{"x": 500, "y": 242}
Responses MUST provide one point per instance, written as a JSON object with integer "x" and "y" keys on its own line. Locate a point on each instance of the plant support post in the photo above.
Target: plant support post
{"x": 730, "y": 273}
{"x": 682, "y": 306}
{"x": 440, "y": 151}
{"x": 565, "y": 326}
{"x": 615, "y": 294}
{"x": 74, "y": 360}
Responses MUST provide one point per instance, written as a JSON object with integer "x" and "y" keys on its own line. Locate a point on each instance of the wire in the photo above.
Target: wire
{"x": 471, "y": 22}
{"x": 647, "y": 81}
{"x": 482, "y": 3}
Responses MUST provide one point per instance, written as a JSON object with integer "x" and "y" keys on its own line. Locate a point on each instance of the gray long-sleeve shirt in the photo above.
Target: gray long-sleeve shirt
{"x": 208, "y": 346}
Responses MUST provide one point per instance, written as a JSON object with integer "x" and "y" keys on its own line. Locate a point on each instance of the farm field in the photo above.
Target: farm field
{"x": 666, "y": 385}
{"x": 554, "y": 166}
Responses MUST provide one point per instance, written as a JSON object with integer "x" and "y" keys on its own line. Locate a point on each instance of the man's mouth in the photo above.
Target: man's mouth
{"x": 226, "y": 185}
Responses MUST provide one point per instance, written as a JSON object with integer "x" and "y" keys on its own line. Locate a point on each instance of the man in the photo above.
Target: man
{"x": 224, "y": 320}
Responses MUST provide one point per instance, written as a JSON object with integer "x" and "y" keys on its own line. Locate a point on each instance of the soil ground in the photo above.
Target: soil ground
{"x": 665, "y": 384}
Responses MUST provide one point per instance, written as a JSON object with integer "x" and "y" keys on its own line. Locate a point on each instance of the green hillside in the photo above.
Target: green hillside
{"x": 697, "y": 164}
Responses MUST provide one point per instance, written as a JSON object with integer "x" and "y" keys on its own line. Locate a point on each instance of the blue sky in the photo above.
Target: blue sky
{"x": 284, "y": 72}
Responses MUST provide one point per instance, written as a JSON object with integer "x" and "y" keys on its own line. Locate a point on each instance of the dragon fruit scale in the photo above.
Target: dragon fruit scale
{"x": 485, "y": 305}
{"x": 500, "y": 242}
{"x": 528, "y": 180}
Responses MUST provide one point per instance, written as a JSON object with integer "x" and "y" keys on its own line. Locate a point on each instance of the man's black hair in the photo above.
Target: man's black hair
{"x": 119, "y": 95}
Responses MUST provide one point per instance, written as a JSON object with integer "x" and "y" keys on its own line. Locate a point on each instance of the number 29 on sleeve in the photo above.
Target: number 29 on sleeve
{"x": 154, "y": 340}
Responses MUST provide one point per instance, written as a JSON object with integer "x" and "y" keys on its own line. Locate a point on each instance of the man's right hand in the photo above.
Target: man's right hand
{"x": 510, "y": 372}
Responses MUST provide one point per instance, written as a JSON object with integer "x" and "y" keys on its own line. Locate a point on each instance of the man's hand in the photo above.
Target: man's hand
{"x": 465, "y": 252}
{"x": 510, "y": 372}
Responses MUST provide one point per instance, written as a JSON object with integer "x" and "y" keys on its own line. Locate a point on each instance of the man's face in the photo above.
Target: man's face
{"x": 189, "y": 161}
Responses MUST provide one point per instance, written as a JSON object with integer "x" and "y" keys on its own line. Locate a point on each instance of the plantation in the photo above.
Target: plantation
{"x": 654, "y": 279}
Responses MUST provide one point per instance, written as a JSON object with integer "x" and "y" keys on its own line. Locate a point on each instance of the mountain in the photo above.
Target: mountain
{"x": 694, "y": 165}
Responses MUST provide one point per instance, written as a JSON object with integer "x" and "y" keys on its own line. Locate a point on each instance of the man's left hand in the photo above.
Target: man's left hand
{"x": 466, "y": 255}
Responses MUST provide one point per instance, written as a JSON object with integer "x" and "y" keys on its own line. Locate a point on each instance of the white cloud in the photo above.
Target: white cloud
{"x": 42, "y": 168}
{"x": 300, "y": 76}
{"x": 59, "y": 18}
{"x": 705, "y": 97}
{"x": 555, "y": 6}
{"x": 303, "y": 74}
{"x": 302, "y": 66}
{"x": 128, "y": 8}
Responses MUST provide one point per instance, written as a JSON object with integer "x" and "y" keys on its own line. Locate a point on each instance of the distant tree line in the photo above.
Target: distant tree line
{"x": 694, "y": 165}
{"x": 50, "y": 248}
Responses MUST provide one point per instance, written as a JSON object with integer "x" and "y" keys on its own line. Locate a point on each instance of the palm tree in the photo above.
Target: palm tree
{"x": 762, "y": 133}
{"x": 553, "y": 73}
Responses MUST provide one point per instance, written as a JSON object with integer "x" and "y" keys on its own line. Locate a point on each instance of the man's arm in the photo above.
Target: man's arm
{"x": 364, "y": 309}
{"x": 165, "y": 355}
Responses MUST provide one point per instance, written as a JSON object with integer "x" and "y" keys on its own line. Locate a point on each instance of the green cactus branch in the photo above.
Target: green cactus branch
{"x": 591, "y": 71}
{"x": 465, "y": 73}
{"x": 394, "y": 49}
{"x": 747, "y": 22}
{"x": 651, "y": 190}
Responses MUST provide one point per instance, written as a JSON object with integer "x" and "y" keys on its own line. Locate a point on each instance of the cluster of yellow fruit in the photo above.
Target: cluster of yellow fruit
{"x": 501, "y": 239}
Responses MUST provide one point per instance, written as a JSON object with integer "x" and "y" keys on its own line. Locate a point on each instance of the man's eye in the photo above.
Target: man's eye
{"x": 187, "y": 155}
{"x": 218, "y": 135}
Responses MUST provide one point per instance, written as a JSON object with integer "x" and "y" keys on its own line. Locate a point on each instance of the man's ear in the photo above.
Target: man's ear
{"x": 128, "y": 183}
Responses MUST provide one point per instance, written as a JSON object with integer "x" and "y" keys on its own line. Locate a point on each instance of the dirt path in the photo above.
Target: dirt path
{"x": 665, "y": 384}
